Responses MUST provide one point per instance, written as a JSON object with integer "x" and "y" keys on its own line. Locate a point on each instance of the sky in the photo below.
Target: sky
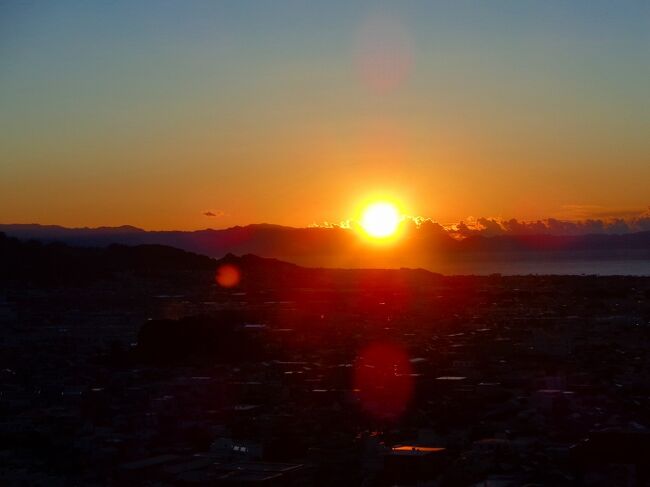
{"x": 187, "y": 115}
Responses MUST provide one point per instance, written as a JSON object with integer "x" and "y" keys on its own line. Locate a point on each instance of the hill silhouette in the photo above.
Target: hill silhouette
{"x": 58, "y": 263}
{"x": 422, "y": 246}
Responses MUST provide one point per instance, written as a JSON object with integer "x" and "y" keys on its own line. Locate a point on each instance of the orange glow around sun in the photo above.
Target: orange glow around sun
{"x": 380, "y": 220}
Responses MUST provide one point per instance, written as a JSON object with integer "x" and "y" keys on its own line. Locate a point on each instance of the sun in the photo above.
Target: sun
{"x": 380, "y": 220}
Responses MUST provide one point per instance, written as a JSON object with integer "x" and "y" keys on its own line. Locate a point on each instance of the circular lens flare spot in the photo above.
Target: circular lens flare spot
{"x": 380, "y": 220}
{"x": 384, "y": 381}
{"x": 228, "y": 276}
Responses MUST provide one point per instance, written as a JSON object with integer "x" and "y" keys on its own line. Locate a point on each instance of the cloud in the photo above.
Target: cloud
{"x": 491, "y": 226}
{"x": 341, "y": 224}
{"x": 216, "y": 213}
{"x": 429, "y": 226}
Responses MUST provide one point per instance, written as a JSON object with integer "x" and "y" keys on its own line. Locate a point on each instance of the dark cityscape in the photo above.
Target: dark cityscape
{"x": 152, "y": 366}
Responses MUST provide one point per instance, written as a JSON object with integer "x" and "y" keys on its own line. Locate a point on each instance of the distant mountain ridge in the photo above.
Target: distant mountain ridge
{"x": 60, "y": 263}
{"x": 338, "y": 247}
{"x": 52, "y": 264}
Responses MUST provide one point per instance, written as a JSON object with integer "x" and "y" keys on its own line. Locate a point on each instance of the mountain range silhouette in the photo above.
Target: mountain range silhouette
{"x": 344, "y": 248}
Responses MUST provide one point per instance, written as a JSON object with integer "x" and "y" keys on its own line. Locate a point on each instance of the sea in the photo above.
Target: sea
{"x": 608, "y": 263}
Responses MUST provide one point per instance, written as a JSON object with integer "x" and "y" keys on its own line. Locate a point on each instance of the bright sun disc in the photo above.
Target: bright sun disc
{"x": 380, "y": 220}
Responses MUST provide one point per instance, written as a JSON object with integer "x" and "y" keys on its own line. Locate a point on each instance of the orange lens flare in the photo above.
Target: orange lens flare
{"x": 228, "y": 276}
{"x": 384, "y": 381}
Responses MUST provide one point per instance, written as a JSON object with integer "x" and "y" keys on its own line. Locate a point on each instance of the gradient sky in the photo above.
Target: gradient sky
{"x": 153, "y": 113}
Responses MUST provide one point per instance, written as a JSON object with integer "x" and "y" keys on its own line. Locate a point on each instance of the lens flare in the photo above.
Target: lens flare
{"x": 228, "y": 276}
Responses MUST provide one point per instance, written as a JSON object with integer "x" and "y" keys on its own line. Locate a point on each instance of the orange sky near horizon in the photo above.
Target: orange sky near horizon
{"x": 154, "y": 117}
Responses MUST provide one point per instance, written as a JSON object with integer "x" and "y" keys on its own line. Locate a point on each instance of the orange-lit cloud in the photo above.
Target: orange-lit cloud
{"x": 550, "y": 226}
{"x": 489, "y": 227}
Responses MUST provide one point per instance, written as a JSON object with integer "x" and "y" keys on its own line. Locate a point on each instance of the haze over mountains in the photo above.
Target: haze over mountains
{"x": 44, "y": 264}
{"x": 426, "y": 246}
